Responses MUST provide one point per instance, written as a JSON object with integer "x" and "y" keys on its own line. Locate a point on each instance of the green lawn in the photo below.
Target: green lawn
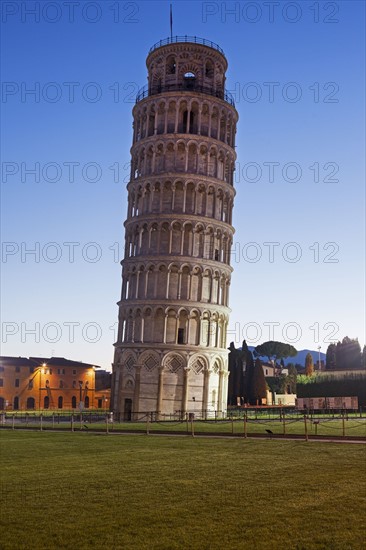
{"x": 82, "y": 490}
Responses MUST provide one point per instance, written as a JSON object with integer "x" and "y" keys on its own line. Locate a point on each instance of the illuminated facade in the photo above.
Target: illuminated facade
{"x": 55, "y": 383}
{"x": 171, "y": 356}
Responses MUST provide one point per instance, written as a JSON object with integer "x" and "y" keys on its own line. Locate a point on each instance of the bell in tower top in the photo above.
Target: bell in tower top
{"x": 187, "y": 63}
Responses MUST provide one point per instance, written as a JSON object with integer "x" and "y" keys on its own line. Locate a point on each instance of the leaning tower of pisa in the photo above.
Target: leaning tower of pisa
{"x": 170, "y": 355}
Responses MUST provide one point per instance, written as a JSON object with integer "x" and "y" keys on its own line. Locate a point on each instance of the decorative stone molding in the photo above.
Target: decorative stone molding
{"x": 171, "y": 354}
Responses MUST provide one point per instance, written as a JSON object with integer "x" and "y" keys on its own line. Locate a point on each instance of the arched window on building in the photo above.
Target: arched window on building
{"x": 191, "y": 122}
{"x": 170, "y": 65}
{"x": 73, "y": 402}
{"x": 31, "y": 404}
{"x": 46, "y": 402}
{"x": 60, "y": 402}
{"x": 189, "y": 80}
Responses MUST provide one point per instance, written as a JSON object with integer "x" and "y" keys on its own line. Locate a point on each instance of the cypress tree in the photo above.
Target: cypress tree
{"x": 309, "y": 364}
{"x": 249, "y": 368}
{"x": 258, "y": 383}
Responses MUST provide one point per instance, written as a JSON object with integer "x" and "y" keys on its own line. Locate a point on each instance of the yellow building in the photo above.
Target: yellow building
{"x": 55, "y": 383}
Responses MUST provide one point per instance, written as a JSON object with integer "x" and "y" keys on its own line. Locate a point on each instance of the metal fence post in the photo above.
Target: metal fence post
{"x": 306, "y": 428}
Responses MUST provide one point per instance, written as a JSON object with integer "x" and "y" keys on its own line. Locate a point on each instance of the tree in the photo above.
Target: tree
{"x": 235, "y": 386}
{"x": 292, "y": 378}
{"x": 352, "y": 353}
{"x": 275, "y": 350}
{"x": 348, "y": 354}
{"x": 240, "y": 369}
{"x": 330, "y": 358}
{"x": 258, "y": 383}
{"x": 249, "y": 369}
{"x": 363, "y": 359}
{"x": 309, "y": 365}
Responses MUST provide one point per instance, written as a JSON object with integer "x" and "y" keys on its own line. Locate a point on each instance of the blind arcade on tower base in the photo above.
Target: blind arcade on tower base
{"x": 170, "y": 355}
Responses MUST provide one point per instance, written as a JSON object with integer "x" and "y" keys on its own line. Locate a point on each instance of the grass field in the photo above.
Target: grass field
{"x": 83, "y": 490}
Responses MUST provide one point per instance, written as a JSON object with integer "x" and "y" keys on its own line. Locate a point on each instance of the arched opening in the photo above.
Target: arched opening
{"x": 192, "y": 158}
{"x": 202, "y": 160}
{"x": 184, "y": 286}
{"x": 206, "y": 281}
{"x": 151, "y": 280}
{"x": 144, "y": 240}
{"x": 151, "y": 121}
{"x": 189, "y": 80}
{"x": 194, "y": 325}
{"x": 183, "y": 108}
{"x": 31, "y": 403}
{"x": 198, "y": 242}
{"x": 214, "y": 123}
{"x": 46, "y": 402}
{"x": 205, "y": 118}
{"x": 164, "y": 238}
{"x": 159, "y": 326}
{"x": 73, "y": 402}
{"x": 178, "y": 197}
{"x": 167, "y": 197}
{"x": 171, "y": 117}
{"x": 196, "y": 285}
{"x": 210, "y": 202}
{"x": 205, "y": 330}
{"x": 190, "y": 198}
{"x": 188, "y": 128}
{"x": 60, "y": 402}
{"x": 148, "y": 326}
{"x": 176, "y": 238}
{"x": 170, "y": 65}
{"x": 171, "y": 327}
{"x": 182, "y": 328}
{"x": 127, "y": 415}
{"x": 161, "y": 119}
{"x": 159, "y": 158}
{"x": 138, "y": 327}
{"x": 173, "y": 283}
{"x": 149, "y": 159}
{"x": 86, "y": 402}
{"x": 156, "y": 87}
{"x": 187, "y": 240}
{"x": 209, "y": 69}
{"x": 16, "y": 403}
{"x": 162, "y": 282}
{"x": 156, "y": 198}
{"x": 180, "y": 161}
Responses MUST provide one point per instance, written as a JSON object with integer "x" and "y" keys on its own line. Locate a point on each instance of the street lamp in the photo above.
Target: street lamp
{"x": 80, "y": 394}
{"x": 319, "y": 348}
{"x": 40, "y": 384}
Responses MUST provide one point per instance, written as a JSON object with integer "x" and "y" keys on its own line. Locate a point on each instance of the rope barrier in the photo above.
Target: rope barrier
{"x": 169, "y": 422}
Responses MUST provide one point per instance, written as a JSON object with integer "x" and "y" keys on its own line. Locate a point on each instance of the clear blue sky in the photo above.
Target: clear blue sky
{"x": 297, "y": 74}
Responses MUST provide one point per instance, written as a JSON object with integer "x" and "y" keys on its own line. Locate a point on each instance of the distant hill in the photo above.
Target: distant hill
{"x": 300, "y": 357}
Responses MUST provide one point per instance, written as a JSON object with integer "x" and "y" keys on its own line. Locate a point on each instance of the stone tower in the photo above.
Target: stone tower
{"x": 171, "y": 356}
